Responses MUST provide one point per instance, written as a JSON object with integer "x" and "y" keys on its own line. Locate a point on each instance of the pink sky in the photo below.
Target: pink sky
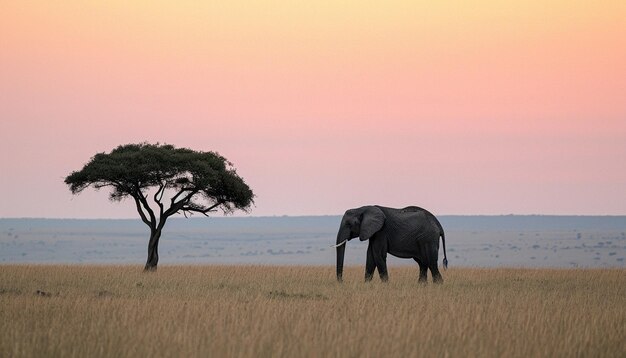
{"x": 482, "y": 107}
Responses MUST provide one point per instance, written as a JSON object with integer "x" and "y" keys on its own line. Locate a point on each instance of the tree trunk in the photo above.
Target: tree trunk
{"x": 153, "y": 251}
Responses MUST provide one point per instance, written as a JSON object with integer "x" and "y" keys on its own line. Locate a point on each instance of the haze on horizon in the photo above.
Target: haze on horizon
{"x": 481, "y": 107}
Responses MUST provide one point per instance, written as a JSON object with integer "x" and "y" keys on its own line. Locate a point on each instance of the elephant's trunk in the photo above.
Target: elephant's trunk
{"x": 341, "y": 250}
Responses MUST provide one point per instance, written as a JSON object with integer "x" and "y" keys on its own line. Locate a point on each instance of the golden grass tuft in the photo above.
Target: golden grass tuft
{"x": 253, "y": 311}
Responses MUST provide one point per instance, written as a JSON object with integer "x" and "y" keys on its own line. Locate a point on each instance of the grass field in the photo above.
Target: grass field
{"x": 251, "y": 311}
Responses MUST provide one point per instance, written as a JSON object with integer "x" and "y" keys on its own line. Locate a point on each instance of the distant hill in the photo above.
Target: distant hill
{"x": 483, "y": 241}
{"x": 330, "y": 222}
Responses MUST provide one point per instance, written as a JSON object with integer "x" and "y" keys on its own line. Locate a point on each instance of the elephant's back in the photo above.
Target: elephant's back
{"x": 412, "y": 218}
{"x": 417, "y": 223}
{"x": 424, "y": 216}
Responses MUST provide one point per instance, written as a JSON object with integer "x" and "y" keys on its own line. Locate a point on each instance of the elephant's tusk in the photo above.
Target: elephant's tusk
{"x": 342, "y": 243}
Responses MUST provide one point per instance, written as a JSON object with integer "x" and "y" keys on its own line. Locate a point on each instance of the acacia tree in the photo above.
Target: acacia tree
{"x": 164, "y": 180}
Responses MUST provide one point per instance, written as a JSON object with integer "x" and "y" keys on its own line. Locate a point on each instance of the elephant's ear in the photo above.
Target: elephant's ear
{"x": 371, "y": 222}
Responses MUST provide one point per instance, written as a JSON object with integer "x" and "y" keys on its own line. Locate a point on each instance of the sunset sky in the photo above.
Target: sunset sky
{"x": 468, "y": 107}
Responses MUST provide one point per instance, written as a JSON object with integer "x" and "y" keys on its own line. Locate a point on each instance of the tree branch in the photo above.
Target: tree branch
{"x": 157, "y": 199}
{"x": 179, "y": 194}
{"x": 204, "y": 212}
{"x": 216, "y": 205}
{"x": 146, "y": 206}
{"x": 160, "y": 191}
{"x": 176, "y": 206}
{"x": 102, "y": 185}
{"x": 141, "y": 213}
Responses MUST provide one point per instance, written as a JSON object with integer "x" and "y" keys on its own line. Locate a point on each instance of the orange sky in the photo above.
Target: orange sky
{"x": 468, "y": 107}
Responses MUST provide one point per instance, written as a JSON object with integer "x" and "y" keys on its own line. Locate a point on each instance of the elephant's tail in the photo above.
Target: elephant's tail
{"x": 445, "y": 257}
{"x": 443, "y": 240}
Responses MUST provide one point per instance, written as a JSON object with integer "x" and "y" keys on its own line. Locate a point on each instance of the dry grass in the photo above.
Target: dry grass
{"x": 246, "y": 311}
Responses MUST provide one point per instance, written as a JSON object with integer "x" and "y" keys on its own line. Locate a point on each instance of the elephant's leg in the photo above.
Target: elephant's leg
{"x": 432, "y": 254}
{"x": 423, "y": 271}
{"x": 379, "y": 252}
{"x": 370, "y": 265}
{"x": 434, "y": 270}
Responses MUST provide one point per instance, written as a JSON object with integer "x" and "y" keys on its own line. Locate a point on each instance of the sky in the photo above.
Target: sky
{"x": 461, "y": 107}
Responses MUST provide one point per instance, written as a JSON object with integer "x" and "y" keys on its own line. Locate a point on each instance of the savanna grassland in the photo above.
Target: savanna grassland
{"x": 254, "y": 311}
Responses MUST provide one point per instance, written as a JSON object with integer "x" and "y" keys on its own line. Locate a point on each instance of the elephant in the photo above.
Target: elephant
{"x": 411, "y": 232}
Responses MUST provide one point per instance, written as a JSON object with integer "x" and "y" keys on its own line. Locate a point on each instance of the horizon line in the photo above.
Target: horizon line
{"x": 313, "y": 215}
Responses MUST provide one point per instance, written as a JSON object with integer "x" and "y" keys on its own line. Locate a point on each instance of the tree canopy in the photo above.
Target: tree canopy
{"x": 198, "y": 182}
